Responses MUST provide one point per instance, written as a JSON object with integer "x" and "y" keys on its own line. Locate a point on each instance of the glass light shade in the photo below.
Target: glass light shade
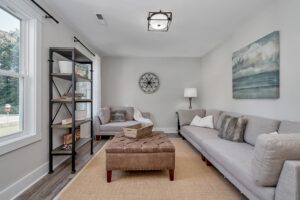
{"x": 190, "y": 92}
{"x": 159, "y": 21}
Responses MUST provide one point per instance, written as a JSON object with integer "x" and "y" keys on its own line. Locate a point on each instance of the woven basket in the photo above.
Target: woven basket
{"x": 138, "y": 131}
{"x": 68, "y": 137}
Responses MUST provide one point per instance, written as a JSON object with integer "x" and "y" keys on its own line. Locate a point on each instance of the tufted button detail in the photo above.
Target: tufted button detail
{"x": 157, "y": 142}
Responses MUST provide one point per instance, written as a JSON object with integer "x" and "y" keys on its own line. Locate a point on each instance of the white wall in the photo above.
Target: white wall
{"x": 96, "y": 84}
{"x": 20, "y": 168}
{"x": 212, "y": 75}
{"x": 216, "y": 67}
{"x": 120, "y": 85}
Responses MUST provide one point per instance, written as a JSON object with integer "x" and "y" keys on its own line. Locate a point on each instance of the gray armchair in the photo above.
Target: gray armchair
{"x": 113, "y": 128}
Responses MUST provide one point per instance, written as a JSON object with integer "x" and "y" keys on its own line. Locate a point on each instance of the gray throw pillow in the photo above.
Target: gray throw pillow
{"x": 118, "y": 116}
{"x": 104, "y": 115}
{"x": 233, "y": 128}
{"x": 129, "y": 111}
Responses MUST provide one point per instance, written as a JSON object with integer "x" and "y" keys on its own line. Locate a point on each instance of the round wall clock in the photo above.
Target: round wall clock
{"x": 149, "y": 82}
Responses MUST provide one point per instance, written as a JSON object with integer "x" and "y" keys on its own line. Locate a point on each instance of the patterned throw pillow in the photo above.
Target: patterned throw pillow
{"x": 129, "y": 111}
{"x": 233, "y": 128}
{"x": 118, "y": 116}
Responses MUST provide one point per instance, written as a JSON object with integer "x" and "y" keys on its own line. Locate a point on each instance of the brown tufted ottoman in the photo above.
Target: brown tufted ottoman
{"x": 155, "y": 152}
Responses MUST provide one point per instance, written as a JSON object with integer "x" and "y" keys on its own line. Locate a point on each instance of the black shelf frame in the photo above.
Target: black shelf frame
{"x": 75, "y": 56}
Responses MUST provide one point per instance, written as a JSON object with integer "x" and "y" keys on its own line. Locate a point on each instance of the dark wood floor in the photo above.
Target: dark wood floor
{"x": 50, "y": 185}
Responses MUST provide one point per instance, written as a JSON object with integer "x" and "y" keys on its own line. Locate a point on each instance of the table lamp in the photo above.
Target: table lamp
{"x": 190, "y": 93}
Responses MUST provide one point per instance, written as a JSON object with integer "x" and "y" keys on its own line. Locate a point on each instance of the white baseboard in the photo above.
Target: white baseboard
{"x": 18, "y": 187}
{"x": 172, "y": 130}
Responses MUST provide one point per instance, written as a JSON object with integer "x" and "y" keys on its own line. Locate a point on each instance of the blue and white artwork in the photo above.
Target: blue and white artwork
{"x": 255, "y": 70}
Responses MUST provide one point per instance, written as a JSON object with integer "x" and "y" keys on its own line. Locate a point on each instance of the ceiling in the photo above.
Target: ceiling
{"x": 197, "y": 26}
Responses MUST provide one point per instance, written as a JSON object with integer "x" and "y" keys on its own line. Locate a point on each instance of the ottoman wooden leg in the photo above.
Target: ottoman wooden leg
{"x": 171, "y": 174}
{"x": 203, "y": 158}
{"x": 108, "y": 176}
{"x": 208, "y": 163}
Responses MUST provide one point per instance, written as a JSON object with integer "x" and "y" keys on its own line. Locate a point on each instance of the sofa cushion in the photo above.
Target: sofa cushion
{"x": 186, "y": 116}
{"x": 117, "y": 126}
{"x": 257, "y": 126}
{"x": 223, "y": 114}
{"x": 215, "y": 114}
{"x": 289, "y": 127}
{"x": 129, "y": 111}
{"x": 270, "y": 153}
{"x": 233, "y": 128}
{"x": 236, "y": 158}
{"x": 104, "y": 115}
{"x": 197, "y": 133}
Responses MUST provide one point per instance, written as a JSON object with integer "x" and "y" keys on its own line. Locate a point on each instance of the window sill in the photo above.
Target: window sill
{"x": 19, "y": 142}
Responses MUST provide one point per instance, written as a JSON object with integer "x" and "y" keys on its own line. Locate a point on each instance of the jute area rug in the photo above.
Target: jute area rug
{"x": 193, "y": 181}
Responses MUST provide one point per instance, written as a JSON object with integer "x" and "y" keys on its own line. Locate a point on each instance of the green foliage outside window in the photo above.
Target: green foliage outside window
{"x": 9, "y": 61}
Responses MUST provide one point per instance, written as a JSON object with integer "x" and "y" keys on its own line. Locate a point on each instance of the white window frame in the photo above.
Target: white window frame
{"x": 21, "y": 75}
{"x": 30, "y": 59}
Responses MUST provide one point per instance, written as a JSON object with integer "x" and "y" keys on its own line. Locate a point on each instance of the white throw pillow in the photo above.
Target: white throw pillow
{"x": 205, "y": 122}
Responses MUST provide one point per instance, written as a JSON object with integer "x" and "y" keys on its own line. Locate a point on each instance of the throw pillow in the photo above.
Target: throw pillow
{"x": 233, "y": 128}
{"x": 118, "y": 116}
{"x": 104, "y": 115}
{"x": 205, "y": 122}
{"x": 129, "y": 111}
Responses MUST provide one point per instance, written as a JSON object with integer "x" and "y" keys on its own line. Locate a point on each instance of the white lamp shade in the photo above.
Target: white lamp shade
{"x": 190, "y": 92}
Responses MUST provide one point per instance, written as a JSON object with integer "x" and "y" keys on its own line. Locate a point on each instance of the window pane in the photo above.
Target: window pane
{"x": 9, "y": 105}
{"x": 9, "y": 41}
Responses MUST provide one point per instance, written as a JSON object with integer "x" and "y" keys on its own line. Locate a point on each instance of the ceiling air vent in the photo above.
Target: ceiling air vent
{"x": 101, "y": 19}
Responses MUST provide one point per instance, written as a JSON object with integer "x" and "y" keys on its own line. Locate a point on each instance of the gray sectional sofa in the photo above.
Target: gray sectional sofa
{"x": 235, "y": 160}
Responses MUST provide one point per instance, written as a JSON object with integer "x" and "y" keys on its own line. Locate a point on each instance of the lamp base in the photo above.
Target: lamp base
{"x": 190, "y": 100}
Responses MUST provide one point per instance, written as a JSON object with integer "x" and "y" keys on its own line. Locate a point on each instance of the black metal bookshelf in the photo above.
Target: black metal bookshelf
{"x": 76, "y": 57}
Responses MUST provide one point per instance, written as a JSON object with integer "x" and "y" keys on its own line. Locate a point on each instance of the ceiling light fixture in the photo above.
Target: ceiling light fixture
{"x": 159, "y": 21}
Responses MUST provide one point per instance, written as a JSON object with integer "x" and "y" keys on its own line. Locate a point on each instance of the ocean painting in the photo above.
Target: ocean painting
{"x": 255, "y": 70}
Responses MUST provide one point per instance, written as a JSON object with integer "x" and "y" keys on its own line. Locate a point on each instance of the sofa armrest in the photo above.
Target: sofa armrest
{"x": 146, "y": 115}
{"x": 288, "y": 186}
{"x": 270, "y": 154}
{"x": 186, "y": 116}
{"x": 96, "y": 125}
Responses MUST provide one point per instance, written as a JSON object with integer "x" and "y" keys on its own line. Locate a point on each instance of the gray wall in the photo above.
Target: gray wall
{"x": 216, "y": 67}
{"x": 120, "y": 85}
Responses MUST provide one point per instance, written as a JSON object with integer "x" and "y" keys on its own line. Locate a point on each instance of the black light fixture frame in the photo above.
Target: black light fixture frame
{"x": 169, "y": 18}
